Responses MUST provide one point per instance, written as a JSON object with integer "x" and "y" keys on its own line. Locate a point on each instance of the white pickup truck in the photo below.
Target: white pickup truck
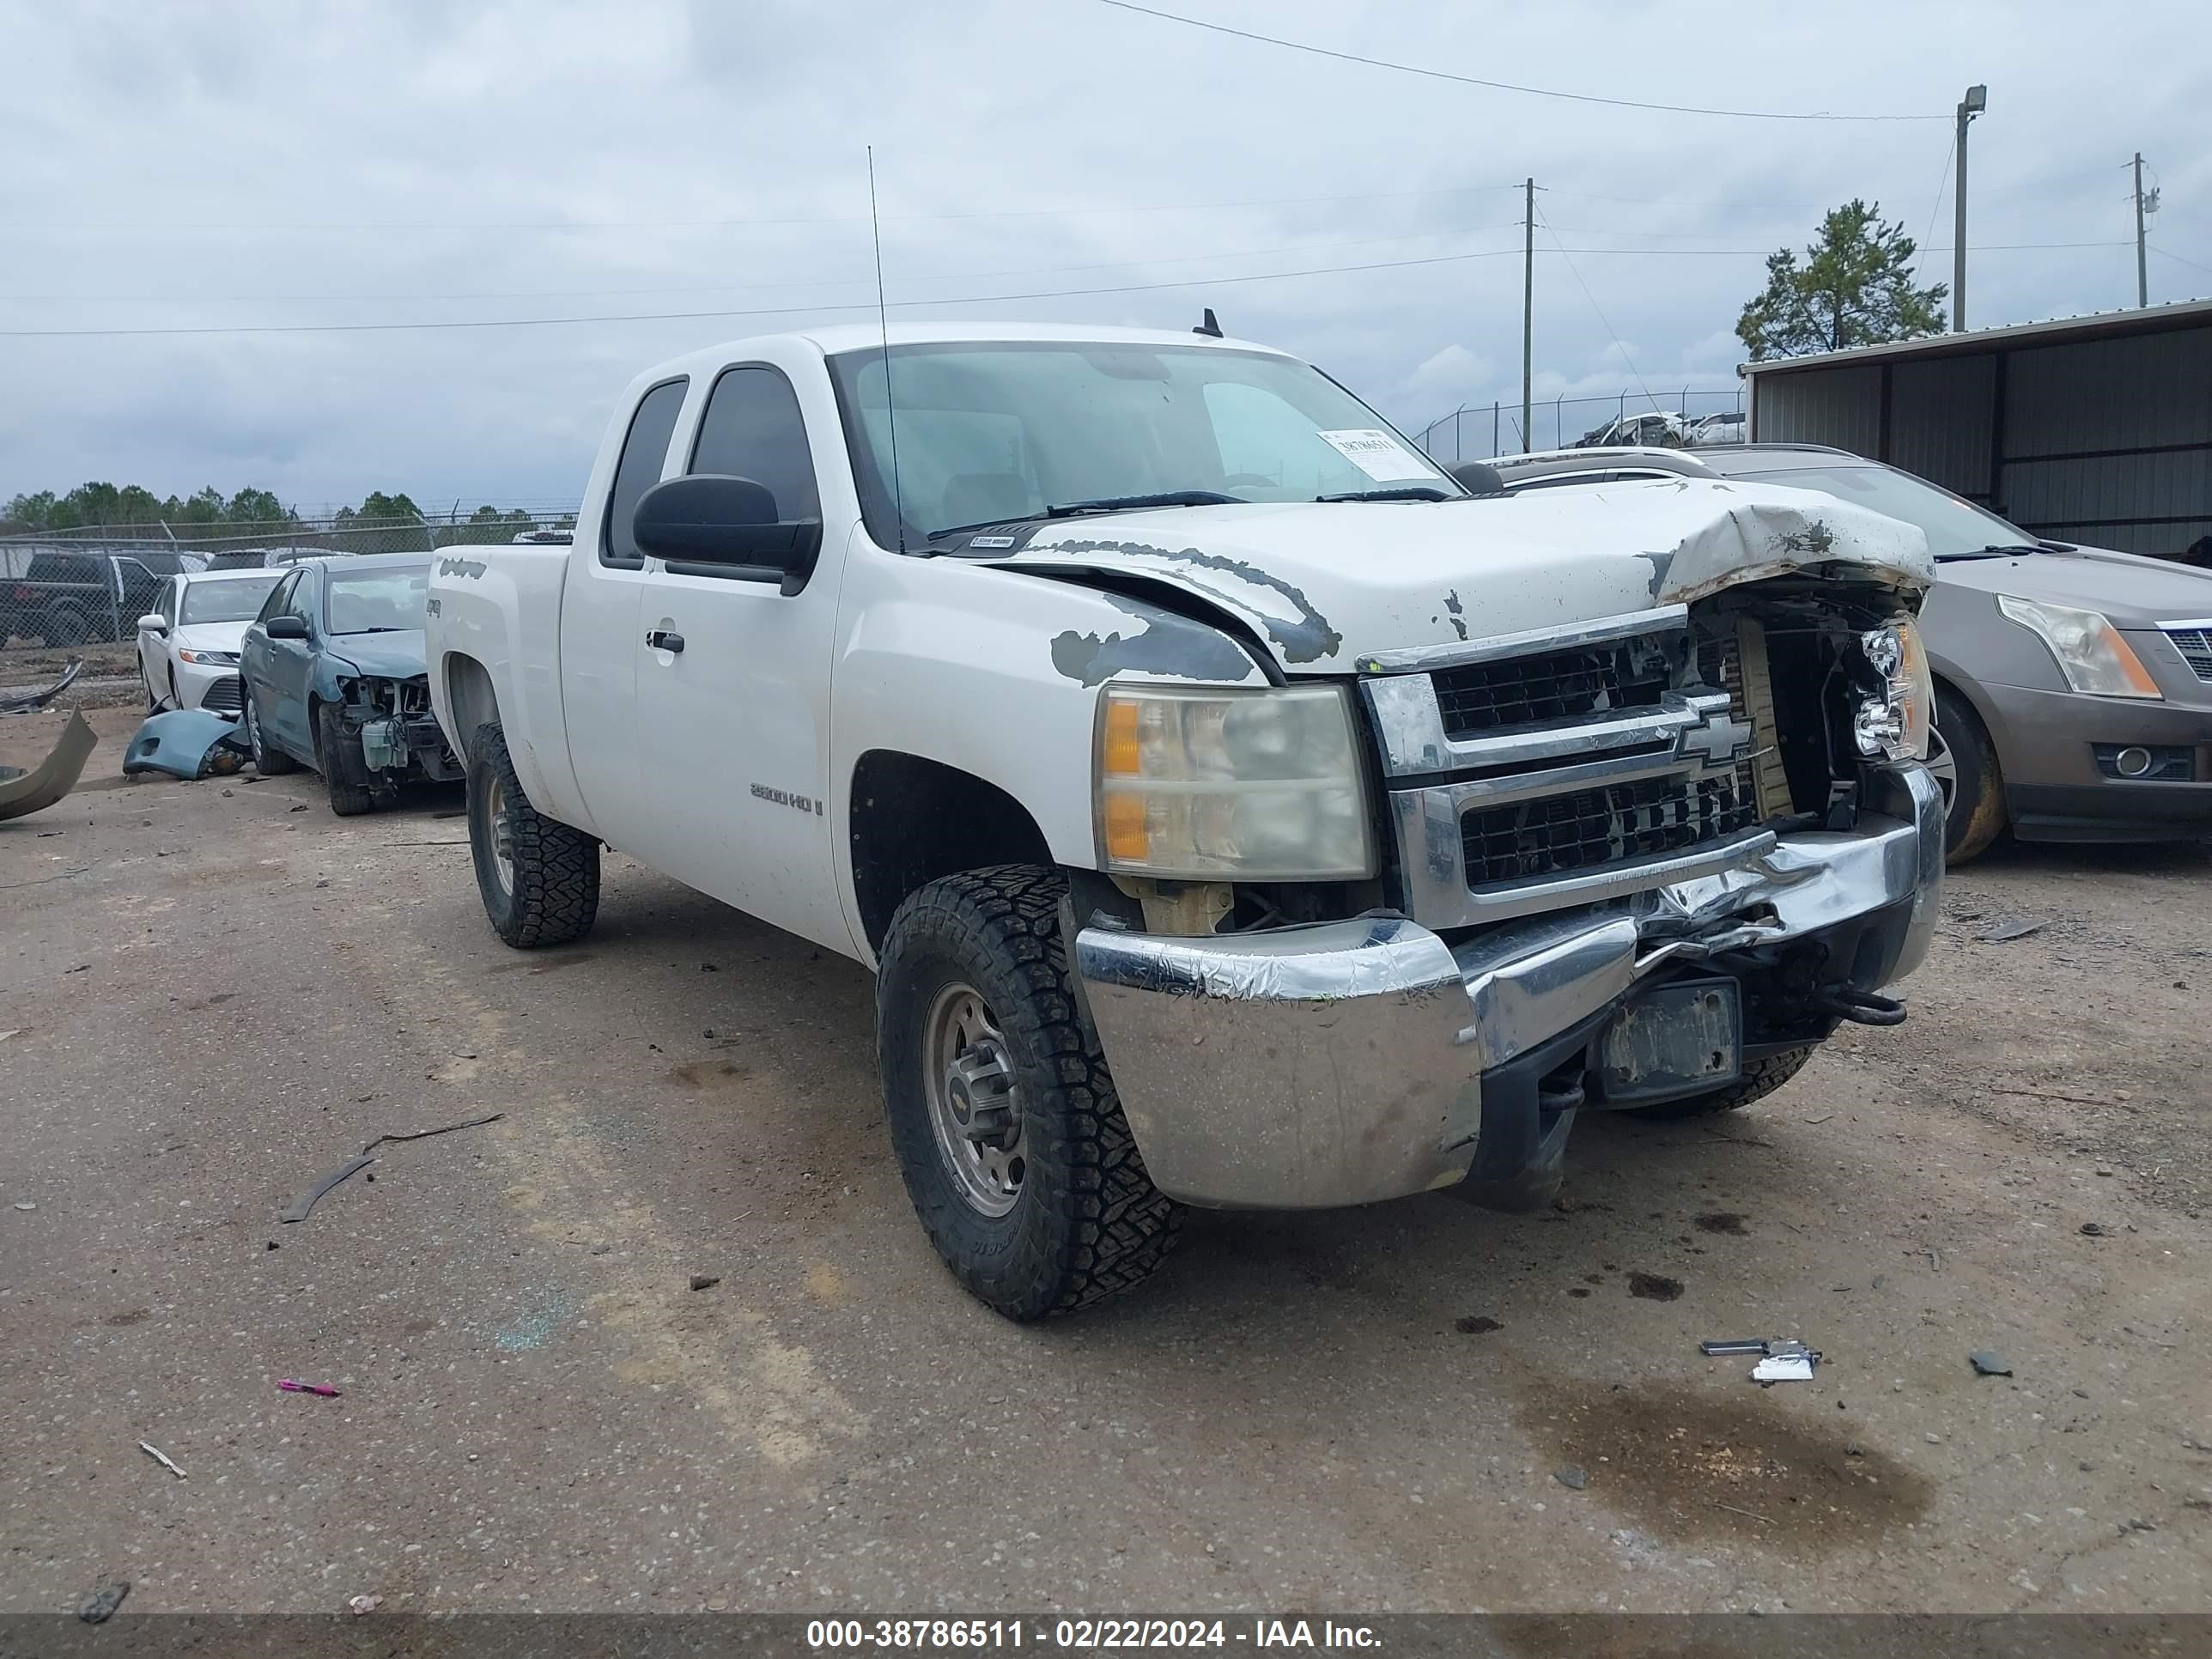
{"x": 1235, "y": 811}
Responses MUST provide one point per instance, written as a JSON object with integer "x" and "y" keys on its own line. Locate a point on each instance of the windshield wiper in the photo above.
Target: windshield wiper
{"x": 1128, "y": 503}
{"x": 1995, "y": 550}
{"x": 1393, "y": 493}
{"x": 1103, "y": 504}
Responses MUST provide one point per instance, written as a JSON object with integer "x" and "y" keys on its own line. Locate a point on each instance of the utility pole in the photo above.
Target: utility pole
{"x": 1528, "y": 306}
{"x": 1976, "y": 100}
{"x": 2145, "y": 205}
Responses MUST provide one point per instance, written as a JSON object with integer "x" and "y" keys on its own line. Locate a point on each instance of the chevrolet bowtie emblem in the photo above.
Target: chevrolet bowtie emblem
{"x": 1717, "y": 738}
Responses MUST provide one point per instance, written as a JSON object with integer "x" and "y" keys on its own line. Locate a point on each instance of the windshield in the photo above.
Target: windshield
{"x": 377, "y": 601}
{"x": 997, "y": 431}
{"x": 226, "y": 602}
{"x": 1953, "y": 527}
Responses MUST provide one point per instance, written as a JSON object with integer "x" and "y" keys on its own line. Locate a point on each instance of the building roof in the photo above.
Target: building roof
{"x": 2064, "y": 330}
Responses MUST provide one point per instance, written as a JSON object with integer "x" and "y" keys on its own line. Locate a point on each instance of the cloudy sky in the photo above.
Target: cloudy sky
{"x": 244, "y": 175}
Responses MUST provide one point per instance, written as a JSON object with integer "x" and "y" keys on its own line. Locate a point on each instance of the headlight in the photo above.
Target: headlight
{"x": 208, "y": 659}
{"x": 1208, "y": 784}
{"x": 2091, "y": 652}
{"x": 1895, "y": 724}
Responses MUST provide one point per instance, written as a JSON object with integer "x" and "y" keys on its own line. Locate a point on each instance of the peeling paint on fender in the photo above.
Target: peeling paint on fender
{"x": 1172, "y": 647}
{"x": 468, "y": 568}
{"x": 1306, "y": 637}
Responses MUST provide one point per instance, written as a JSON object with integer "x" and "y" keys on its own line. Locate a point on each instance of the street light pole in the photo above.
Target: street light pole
{"x": 1976, "y": 100}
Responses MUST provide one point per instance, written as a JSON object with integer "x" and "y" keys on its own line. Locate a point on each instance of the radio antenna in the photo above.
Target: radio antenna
{"x": 883, "y": 323}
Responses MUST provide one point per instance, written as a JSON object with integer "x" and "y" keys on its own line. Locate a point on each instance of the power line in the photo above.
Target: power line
{"x": 764, "y": 311}
{"x": 1041, "y": 270}
{"x": 736, "y": 287}
{"x": 2177, "y": 259}
{"x": 1626, "y": 355}
{"x": 942, "y": 300}
{"x": 143, "y": 228}
{"x": 1502, "y": 85}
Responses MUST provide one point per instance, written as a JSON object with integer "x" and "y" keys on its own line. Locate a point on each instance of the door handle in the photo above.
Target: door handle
{"x": 661, "y": 640}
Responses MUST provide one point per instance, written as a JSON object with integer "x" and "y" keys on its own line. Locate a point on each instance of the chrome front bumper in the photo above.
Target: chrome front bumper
{"x": 1344, "y": 1062}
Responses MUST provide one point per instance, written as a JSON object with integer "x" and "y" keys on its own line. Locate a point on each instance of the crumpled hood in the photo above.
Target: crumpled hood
{"x": 1328, "y": 584}
{"x": 396, "y": 656}
{"x": 211, "y": 636}
{"x": 2132, "y": 591}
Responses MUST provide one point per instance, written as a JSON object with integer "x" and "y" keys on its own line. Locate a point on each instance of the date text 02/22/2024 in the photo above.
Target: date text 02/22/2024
{"x": 1082, "y": 1634}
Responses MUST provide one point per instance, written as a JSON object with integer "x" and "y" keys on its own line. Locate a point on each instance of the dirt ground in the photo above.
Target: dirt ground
{"x": 212, "y": 993}
{"x": 109, "y": 678}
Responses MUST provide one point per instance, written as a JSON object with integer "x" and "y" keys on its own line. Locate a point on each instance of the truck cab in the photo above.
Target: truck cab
{"x": 1234, "y": 810}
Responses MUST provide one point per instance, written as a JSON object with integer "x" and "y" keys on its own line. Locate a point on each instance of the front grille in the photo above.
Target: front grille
{"x": 222, "y": 696}
{"x": 2195, "y": 645}
{"x": 1559, "y": 835}
{"x": 1554, "y": 685}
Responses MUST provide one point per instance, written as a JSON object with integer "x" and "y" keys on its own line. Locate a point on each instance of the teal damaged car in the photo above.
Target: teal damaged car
{"x": 334, "y": 678}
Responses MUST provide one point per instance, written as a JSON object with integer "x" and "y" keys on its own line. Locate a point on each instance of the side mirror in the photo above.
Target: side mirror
{"x": 714, "y": 524}
{"x": 153, "y": 622}
{"x": 285, "y": 627}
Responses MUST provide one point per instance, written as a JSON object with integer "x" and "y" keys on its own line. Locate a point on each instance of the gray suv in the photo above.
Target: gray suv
{"x": 2073, "y": 684}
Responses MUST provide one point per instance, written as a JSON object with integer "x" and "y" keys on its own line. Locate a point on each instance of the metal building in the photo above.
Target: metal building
{"x": 2096, "y": 430}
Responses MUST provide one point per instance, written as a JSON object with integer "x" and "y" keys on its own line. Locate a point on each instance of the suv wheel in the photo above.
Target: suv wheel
{"x": 1965, "y": 764}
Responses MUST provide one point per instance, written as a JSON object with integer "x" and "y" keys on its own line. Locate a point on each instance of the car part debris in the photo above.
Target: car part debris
{"x": 99, "y": 1607}
{"x": 1987, "y": 1361}
{"x": 163, "y": 1459}
{"x": 705, "y": 1281}
{"x": 1781, "y": 1359}
{"x": 2008, "y": 930}
{"x": 26, "y": 1204}
{"x": 1786, "y": 1362}
{"x": 23, "y": 793}
{"x": 1572, "y": 1477}
{"x": 352, "y": 1166}
{"x": 323, "y": 1388}
{"x": 361, "y": 1604}
{"x": 443, "y": 1129}
{"x": 2093, "y": 1230}
{"x": 187, "y": 743}
{"x": 305, "y": 1202}
{"x": 29, "y": 703}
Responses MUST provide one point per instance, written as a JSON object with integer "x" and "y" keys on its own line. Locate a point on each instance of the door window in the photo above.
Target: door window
{"x": 279, "y": 602}
{"x": 644, "y": 452}
{"x": 169, "y": 605}
{"x": 752, "y": 428}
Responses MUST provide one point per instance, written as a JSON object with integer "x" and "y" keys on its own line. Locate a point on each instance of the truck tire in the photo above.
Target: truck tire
{"x": 65, "y": 625}
{"x": 338, "y": 756}
{"x": 269, "y": 760}
{"x": 1965, "y": 762}
{"x": 540, "y": 878}
{"x": 977, "y": 1026}
{"x": 1760, "y": 1078}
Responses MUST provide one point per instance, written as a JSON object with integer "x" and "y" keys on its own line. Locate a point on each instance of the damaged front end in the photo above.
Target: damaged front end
{"x": 399, "y": 736}
{"x": 1634, "y": 861}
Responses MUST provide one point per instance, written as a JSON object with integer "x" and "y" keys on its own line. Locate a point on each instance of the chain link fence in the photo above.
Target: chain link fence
{"x": 93, "y": 582}
{"x": 1474, "y": 432}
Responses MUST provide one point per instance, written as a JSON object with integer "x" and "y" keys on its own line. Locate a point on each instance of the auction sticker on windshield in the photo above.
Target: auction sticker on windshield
{"x": 1377, "y": 455}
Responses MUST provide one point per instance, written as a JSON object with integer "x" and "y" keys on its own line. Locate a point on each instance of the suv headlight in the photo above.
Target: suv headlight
{"x": 2091, "y": 652}
{"x": 1895, "y": 724}
{"x": 1207, "y": 784}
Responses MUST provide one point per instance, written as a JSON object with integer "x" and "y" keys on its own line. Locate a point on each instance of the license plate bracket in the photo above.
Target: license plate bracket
{"x": 1673, "y": 1039}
